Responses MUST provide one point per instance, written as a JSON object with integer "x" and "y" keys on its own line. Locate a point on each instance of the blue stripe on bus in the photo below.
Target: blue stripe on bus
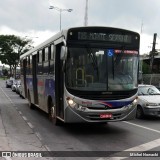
{"x": 115, "y": 104}
{"x": 50, "y": 87}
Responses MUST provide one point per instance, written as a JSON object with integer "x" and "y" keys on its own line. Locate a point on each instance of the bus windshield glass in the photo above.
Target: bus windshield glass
{"x": 100, "y": 69}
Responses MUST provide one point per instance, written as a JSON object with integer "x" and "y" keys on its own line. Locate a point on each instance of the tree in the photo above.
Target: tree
{"x": 145, "y": 68}
{"x": 11, "y": 47}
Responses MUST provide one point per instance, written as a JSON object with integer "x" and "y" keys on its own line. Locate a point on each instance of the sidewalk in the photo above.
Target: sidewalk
{"x": 15, "y": 133}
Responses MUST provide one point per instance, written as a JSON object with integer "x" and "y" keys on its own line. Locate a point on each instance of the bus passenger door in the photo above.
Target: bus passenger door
{"x": 34, "y": 71}
{"x": 59, "y": 83}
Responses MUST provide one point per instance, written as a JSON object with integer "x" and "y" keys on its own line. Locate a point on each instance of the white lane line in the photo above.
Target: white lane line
{"x": 6, "y": 95}
{"x": 38, "y": 135}
{"x": 24, "y": 118}
{"x": 47, "y": 148}
{"x": 154, "y": 130}
{"x": 30, "y": 125}
{"x": 20, "y": 112}
{"x": 141, "y": 148}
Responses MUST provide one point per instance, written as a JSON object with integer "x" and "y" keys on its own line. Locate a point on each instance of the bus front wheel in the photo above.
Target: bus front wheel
{"x": 52, "y": 114}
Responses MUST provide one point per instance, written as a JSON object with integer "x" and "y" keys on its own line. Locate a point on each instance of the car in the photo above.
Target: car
{"x": 20, "y": 92}
{"x": 9, "y": 82}
{"x": 148, "y": 102}
{"x": 18, "y": 87}
{"x": 158, "y": 88}
{"x": 14, "y": 85}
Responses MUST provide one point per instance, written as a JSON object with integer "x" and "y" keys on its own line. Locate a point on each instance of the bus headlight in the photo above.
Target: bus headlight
{"x": 71, "y": 102}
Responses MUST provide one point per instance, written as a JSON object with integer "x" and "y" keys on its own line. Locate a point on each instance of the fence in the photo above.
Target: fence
{"x": 153, "y": 79}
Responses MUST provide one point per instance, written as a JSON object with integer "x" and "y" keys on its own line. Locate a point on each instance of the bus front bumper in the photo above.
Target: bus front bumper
{"x": 73, "y": 115}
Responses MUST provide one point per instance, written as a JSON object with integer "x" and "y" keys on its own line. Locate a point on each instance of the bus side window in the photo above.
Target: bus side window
{"x": 21, "y": 67}
{"x": 28, "y": 66}
{"x": 51, "y": 60}
{"x": 45, "y": 60}
{"x": 40, "y": 68}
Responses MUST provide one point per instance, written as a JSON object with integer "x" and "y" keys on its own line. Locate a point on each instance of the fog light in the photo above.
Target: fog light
{"x": 81, "y": 108}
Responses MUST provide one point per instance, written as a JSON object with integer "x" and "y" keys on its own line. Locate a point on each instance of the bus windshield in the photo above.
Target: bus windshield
{"x": 101, "y": 69}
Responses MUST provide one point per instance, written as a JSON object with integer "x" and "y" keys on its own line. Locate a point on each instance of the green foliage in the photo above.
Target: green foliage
{"x": 145, "y": 68}
{"x": 5, "y": 72}
{"x": 11, "y": 47}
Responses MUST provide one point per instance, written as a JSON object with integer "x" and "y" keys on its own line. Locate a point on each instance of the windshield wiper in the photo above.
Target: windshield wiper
{"x": 94, "y": 61}
{"x": 112, "y": 67}
{"x": 155, "y": 94}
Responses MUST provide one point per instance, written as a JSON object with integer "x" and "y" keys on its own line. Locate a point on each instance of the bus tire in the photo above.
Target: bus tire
{"x": 31, "y": 106}
{"x": 52, "y": 114}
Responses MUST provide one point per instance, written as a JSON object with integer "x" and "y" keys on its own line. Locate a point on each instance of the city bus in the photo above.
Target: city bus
{"x": 83, "y": 74}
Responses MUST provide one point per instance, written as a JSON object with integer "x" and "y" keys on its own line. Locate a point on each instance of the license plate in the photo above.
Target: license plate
{"x": 106, "y": 115}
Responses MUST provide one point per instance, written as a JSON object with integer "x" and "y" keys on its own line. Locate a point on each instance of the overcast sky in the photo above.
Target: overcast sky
{"x": 33, "y": 18}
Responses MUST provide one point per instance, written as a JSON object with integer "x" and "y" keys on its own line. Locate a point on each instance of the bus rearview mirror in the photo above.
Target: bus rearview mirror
{"x": 63, "y": 55}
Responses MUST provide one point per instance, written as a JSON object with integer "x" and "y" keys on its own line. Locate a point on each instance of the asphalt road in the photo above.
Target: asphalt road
{"x": 28, "y": 130}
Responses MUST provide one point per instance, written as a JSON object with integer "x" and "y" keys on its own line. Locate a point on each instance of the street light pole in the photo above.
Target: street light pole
{"x": 86, "y": 14}
{"x": 60, "y": 10}
{"x": 60, "y": 18}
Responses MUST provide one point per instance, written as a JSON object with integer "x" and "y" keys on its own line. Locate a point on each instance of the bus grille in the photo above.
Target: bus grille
{"x": 106, "y": 97}
{"x": 97, "y": 95}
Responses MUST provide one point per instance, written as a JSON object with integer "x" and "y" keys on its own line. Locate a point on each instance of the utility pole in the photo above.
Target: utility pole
{"x": 86, "y": 14}
{"x": 152, "y": 54}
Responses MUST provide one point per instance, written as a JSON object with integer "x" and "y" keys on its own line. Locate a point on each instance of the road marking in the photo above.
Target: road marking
{"x": 24, "y": 118}
{"x": 39, "y": 136}
{"x": 137, "y": 125}
{"x": 47, "y": 148}
{"x": 20, "y": 112}
{"x": 6, "y": 95}
{"x": 141, "y": 148}
{"x": 30, "y": 125}
{"x": 144, "y": 147}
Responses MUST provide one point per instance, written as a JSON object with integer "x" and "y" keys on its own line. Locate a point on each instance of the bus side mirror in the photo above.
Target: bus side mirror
{"x": 63, "y": 54}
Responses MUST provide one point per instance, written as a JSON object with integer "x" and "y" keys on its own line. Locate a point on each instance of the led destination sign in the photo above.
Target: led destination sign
{"x": 112, "y": 37}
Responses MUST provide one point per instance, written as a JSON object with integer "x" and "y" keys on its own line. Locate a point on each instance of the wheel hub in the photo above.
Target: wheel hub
{"x": 52, "y": 112}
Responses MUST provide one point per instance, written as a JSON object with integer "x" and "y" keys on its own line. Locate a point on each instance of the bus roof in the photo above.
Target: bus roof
{"x": 63, "y": 33}
{"x": 45, "y": 43}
